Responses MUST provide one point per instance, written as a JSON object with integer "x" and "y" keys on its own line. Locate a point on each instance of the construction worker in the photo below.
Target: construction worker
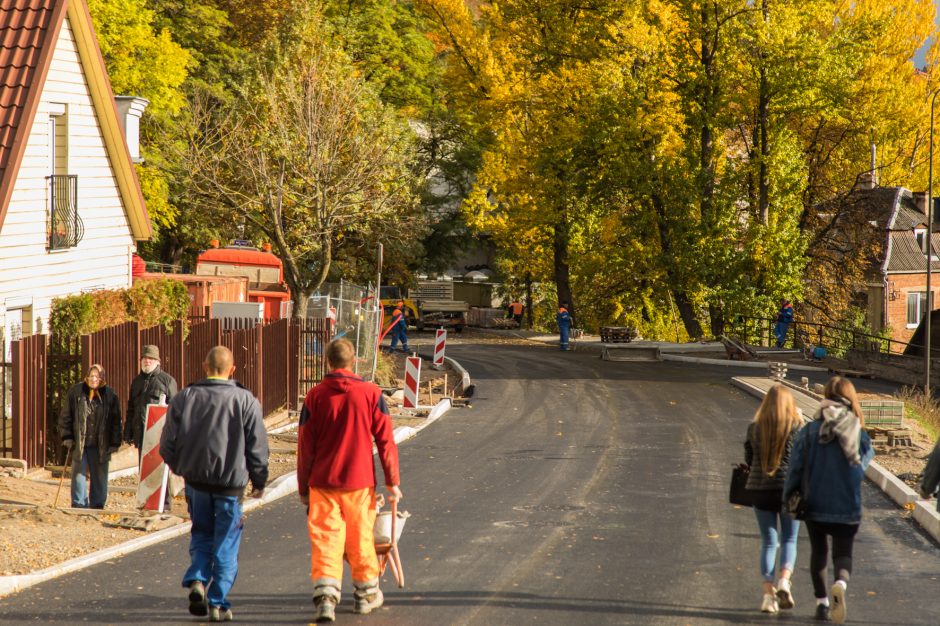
{"x": 515, "y": 312}
{"x": 784, "y": 319}
{"x": 563, "y": 318}
{"x": 399, "y": 327}
{"x": 336, "y": 480}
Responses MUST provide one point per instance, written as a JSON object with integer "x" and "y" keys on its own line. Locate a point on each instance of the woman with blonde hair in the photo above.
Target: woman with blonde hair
{"x": 835, "y": 451}
{"x": 770, "y": 437}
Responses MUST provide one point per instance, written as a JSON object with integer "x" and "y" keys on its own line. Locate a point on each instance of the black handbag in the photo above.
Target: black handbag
{"x": 739, "y": 493}
{"x": 796, "y": 504}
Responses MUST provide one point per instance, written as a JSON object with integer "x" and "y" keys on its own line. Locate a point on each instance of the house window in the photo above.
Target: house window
{"x": 920, "y": 234}
{"x": 916, "y": 307}
{"x": 65, "y": 228}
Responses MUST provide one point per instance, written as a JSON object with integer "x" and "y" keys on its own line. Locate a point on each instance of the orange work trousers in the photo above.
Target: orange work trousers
{"x": 340, "y": 522}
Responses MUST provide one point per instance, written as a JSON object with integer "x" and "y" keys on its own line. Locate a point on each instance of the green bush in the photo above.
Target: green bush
{"x": 149, "y": 302}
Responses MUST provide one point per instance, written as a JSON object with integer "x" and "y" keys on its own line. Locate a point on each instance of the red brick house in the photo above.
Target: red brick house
{"x": 896, "y": 293}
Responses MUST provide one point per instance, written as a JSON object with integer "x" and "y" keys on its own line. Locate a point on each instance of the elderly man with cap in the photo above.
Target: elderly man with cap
{"x": 148, "y": 387}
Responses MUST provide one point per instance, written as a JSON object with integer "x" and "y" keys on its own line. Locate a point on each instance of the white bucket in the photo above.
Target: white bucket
{"x": 383, "y": 526}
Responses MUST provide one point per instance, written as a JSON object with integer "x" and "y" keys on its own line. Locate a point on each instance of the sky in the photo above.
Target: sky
{"x": 919, "y": 57}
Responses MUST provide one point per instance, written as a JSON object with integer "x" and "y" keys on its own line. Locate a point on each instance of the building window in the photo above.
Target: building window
{"x": 916, "y": 307}
{"x": 920, "y": 234}
{"x": 65, "y": 228}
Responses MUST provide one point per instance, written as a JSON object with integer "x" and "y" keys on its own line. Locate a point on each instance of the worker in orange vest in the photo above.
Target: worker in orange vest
{"x": 399, "y": 327}
{"x": 515, "y": 312}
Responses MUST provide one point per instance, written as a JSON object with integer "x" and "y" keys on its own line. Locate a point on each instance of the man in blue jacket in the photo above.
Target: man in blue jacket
{"x": 563, "y": 319}
{"x": 784, "y": 319}
{"x": 214, "y": 437}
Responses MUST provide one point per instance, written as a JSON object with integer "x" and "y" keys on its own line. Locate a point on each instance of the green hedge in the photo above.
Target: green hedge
{"x": 149, "y": 302}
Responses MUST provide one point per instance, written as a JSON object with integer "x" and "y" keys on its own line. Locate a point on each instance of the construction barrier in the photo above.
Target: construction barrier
{"x": 154, "y": 474}
{"x": 412, "y": 379}
{"x": 440, "y": 342}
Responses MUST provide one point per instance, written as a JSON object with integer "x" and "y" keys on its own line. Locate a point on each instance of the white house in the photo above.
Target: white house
{"x": 71, "y": 209}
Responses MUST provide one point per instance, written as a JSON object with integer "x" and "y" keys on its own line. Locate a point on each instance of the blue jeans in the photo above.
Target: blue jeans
{"x": 213, "y": 546}
{"x": 98, "y": 473}
{"x": 789, "y": 529}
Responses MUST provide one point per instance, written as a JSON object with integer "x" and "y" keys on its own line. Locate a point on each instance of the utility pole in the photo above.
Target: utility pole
{"x": 378, "y": 308}
{"x": 927, "y": 342}
{"x": 528, "y": 299}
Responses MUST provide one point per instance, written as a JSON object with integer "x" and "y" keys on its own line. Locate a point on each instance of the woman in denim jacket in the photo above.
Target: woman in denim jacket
{"x": 836, "y": 450}
{"x": 770, "y": 437}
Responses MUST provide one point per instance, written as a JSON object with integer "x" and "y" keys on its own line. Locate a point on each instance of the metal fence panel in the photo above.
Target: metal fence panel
{"x": 244, "y": 346}
{"x": 275, "y": 369}
{"x": 203, "y": 336}
{"x": 357, "y": 316}
{"x": 29, "y": 400}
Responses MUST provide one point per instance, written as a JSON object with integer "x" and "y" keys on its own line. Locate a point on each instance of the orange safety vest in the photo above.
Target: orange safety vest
{"x": 516, "y": 308}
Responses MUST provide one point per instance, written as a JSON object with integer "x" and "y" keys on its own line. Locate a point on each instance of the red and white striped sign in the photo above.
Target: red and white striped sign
{"x": 440, "y": 342}
{"x": 412, "y": 378}
{"x": 151, "y": 490}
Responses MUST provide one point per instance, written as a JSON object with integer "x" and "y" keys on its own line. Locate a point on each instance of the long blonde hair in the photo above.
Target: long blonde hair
{"x": 842, "y": 390}
{"x": 776, "y": 418}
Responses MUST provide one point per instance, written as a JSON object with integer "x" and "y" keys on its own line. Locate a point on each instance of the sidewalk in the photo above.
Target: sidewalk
{"x": 280, "y": 487}
{"x": 925, "y": 511}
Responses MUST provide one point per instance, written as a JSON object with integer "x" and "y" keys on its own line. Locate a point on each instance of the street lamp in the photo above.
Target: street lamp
{"x": 933, "y": 102}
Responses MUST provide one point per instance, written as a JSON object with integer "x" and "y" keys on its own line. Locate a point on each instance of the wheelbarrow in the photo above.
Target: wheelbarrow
{"x": 387, "y": 530}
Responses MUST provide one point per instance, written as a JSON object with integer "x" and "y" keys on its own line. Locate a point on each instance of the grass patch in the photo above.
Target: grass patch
{"x": 921, "y": 409}
{"x": 384, "y": 370}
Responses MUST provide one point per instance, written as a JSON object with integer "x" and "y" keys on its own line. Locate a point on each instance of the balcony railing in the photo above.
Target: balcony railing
{"x": 65, "y": 226}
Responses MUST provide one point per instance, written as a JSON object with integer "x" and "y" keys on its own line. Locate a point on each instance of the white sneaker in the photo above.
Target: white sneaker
{"x": 769, "y": 604}
{"x": 837, "y": 610}
{"x": 784, "y": 597}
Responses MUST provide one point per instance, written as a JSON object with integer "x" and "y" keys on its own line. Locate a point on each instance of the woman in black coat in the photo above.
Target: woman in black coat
{"x": 90, "y": 426}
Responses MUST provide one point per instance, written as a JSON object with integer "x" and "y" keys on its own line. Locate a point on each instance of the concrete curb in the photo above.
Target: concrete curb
{"x": 280, "y": 487}
{"x": 795, "y": 367}
{"x": 466, "y": 387}
{"x": 925, "y": 511}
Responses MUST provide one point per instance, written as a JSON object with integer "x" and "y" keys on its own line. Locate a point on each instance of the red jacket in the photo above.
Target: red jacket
{"x": 338, "y": 421}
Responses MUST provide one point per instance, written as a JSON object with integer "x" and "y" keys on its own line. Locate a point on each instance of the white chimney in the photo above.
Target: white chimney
{"x": 130, "y": 109}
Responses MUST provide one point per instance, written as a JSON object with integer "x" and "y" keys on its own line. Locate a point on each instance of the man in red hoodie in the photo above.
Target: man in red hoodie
{"x": 336, "y": 480}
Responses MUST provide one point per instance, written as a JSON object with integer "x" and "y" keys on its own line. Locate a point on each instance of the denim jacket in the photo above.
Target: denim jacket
{"x": 835, "y": 486}
{"x": 931, "y": 480}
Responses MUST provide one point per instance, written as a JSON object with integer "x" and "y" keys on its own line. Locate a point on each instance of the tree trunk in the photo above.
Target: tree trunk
{"x": 561, "y": 269}
{"x": 763, "y": 123}
{"x": 686, "y": 311}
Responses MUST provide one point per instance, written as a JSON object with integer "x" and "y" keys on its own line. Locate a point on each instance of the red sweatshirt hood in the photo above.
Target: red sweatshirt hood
{"x": 341, "y": 381}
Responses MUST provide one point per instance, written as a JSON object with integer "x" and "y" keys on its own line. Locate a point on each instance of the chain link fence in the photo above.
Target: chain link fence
{"x": 356, "y": 316}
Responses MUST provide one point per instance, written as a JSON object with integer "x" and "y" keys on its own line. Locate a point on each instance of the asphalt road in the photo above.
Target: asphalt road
{"x": 573, "y": 491}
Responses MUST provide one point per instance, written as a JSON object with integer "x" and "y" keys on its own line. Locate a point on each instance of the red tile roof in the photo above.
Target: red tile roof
{"x": 27, "y": 40}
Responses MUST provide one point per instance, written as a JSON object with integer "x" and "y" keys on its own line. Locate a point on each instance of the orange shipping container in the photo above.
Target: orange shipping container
{"x": 204, "y": 290}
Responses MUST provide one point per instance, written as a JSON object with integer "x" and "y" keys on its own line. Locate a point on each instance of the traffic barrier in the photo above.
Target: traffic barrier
{"x": 412, "y": 379}
{"x": 151, "y": 490}
{"x": 440, "y": 342}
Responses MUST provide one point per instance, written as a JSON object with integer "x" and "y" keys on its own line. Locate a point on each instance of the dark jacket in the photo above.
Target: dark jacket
{"x": 769, "y": 488}
{"x": 931, "y": 479}
{"x": 145, "y": 389}
{"x": 74, "y": 418}
{"x": 835, "y": 485}
{"x": 214, "y": 437}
